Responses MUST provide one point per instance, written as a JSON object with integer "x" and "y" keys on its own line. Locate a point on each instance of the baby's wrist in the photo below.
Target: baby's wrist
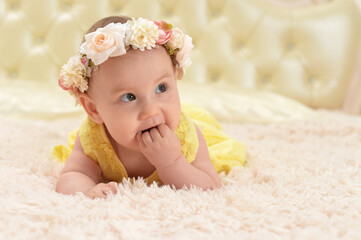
{"x": 172, "y": 164}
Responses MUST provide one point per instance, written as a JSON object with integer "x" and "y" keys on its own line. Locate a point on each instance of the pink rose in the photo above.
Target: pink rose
{"x": 84, "y": 61}
{"x": 183, "y": 56}
{"x": 61, "y": 84}
{"x": 165, "y": 32}
{"x": 104, "y": 43}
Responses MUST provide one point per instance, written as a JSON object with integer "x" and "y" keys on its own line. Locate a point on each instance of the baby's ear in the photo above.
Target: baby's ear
{"x": 90, "y": 107}
{"x": 179, "y": 73}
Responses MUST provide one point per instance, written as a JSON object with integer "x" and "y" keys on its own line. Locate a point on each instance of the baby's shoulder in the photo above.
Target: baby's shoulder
{"x": 78, "y": 161}
{"x": 90, "y": 133}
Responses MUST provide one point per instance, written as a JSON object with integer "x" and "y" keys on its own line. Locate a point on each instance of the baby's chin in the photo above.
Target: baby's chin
{"x": 133, "y": 146}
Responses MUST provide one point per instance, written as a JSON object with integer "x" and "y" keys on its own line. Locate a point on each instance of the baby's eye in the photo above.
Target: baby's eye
{"x": 127, "y": 97}
{"x": 161, "y": 88}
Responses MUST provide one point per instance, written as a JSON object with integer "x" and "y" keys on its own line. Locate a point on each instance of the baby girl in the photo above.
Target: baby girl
{"x": 125, "y": 78}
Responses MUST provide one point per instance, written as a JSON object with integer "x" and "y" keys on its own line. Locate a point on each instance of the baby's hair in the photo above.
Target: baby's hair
{"x": 105, "y": 21}
{"x": 118, "y": 19}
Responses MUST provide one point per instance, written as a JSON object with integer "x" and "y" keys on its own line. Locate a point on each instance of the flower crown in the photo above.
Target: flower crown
{"x": 114, "y": 40}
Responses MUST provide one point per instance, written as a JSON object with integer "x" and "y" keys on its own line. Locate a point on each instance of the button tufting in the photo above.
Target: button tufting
{"x": 168, "y": 12}
{"x": 290, "y": 46}
{"x": 39, "y": 40}
{"x": 264, "y": 80}
{"x": 14, "y": 6}
{"x": 239, "y": 45}
{"x": 116, "y": 9}
{"x": 13, "y": 75}
{"x": 215, "y": 13}
{"x": 66, "y": 7}
{"x": 311, "y": 79}
{"x": 214, "y": 77}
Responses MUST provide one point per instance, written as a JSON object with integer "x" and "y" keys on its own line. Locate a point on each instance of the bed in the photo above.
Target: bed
{"x": 281, "y": 76}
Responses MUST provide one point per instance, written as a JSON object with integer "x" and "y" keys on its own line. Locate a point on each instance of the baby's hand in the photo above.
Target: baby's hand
{"x": 160, "y": 145}
{"x": 101, "y": 190}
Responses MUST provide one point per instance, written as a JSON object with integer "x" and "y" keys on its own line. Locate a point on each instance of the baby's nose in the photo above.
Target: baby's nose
{"x": 149, "y": 111}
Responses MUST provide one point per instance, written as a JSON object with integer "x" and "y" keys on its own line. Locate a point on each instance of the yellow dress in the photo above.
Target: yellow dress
{"x": 225, "y": 152}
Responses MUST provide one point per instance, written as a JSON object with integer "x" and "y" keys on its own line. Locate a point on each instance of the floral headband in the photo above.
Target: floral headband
{"x": 113, "y": 40}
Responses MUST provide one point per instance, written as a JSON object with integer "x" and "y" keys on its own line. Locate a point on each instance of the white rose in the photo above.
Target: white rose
{"x": 177, "y": 39}
{"x": 104, "y": 43}
{"x": 183, "y": 56}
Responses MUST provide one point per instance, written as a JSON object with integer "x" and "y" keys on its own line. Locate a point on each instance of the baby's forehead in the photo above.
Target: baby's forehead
{"x": 122, "y": 73}
{"x": 136, "y": 63}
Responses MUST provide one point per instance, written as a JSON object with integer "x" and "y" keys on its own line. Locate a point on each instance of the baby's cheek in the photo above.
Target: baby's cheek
{"x": 176, "y": 119}
{"x": 173, "y": 124}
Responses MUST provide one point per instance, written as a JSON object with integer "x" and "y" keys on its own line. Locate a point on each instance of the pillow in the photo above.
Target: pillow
{"x": 225, "y": 102}
{"x": 34, "y": 100}
{"x": 233, "y": 104}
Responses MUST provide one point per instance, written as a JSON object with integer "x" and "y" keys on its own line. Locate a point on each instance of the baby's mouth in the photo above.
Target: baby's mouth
{"x": 148, "y": 130}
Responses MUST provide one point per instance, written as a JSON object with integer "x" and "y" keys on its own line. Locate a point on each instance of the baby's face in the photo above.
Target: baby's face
{"x": 135, "y": 92}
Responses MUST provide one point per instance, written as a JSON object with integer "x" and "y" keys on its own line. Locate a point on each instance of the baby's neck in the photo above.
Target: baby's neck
{"x": 135, "y": 163}
{"x": 120, "y": 150}
{"x": 126, "y": 153}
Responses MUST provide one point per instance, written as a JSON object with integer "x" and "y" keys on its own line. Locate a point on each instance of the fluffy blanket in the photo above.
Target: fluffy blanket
{"x": 302, "y": 181}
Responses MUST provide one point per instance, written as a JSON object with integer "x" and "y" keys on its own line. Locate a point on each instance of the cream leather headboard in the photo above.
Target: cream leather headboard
{"x": 308, "y": 53}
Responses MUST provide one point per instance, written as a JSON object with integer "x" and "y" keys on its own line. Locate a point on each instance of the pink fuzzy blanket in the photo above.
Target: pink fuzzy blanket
{"x": 302, "y": 181}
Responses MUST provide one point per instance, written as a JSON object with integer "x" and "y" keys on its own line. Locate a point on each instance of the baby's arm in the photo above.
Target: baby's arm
{"x": 200, "y": 172}
{"x": 163, "y": 150}
{"x": 82, "y": 174}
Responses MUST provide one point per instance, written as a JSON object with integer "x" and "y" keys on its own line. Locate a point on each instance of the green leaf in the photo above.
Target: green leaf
{"x": 91, "y": 64}
{"x": 170, "y": 50}
{"x": 166, "y": 26}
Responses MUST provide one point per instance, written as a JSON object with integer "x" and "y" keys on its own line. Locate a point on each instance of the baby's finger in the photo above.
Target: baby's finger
{"x": 106, "y": 191}
{"x": 97, "y": 194}
{"x": 102, "y": 194}
{"x": 155, "y": 134}
{"x": 113, "y": 187}
{"x": 147, "y": 138}
{"x": 109, "y": 188}
{"x": 163, "y": 129}
{"x": 90, "y": 195}
{"x": 140, "y": 140}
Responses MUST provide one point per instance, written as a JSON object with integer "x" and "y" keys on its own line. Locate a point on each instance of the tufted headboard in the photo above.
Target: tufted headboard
{"x": 309, "y": 53}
